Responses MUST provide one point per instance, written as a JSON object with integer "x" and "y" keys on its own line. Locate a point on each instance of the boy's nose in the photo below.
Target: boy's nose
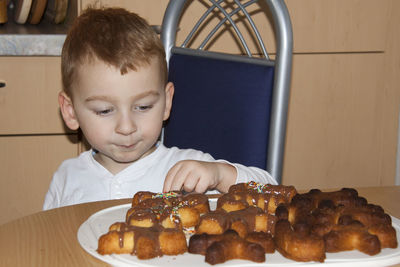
{"x": 125, "y": 125}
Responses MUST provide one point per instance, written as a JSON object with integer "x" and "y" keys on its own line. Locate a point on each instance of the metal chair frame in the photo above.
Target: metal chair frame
{"x": 282, "y": 62}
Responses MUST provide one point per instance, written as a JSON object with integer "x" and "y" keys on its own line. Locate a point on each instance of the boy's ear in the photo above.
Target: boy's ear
{"x": 67, "y": 111}
{"x": 169, "y": 94}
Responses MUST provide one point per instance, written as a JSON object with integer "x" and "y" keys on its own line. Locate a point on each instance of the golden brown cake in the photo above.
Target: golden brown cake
{"x": 263, "y": 239}
{"x": 297, "y": 243}
{"x": 171, "y": 210}
{"x": 267, "y": 197}
{"x": 341, "y": 220}
{"x": 154, "y": 225}
{"x": 144, "y": 242}
{"x": 250, "y": 220}
{"x": 224, "y": 247}
{"x": 242, "y": 221}
{"x": 350, "y": 237}
{"x": 247, "y": 207}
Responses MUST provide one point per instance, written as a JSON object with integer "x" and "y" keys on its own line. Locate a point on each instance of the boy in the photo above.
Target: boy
{"x": 115, "y": 90}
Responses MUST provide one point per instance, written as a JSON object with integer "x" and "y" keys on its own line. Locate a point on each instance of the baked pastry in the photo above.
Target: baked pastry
{"x": 352, "y": 236}
{"x": 224, "y": 247}
{"x": 297, "y": 243}
{"x": 242, "y": 221}
{"x": 265, "y": 196}
{"x": 263, "y": 239}
{"x": 154, "y": 225}
{"x": 250, "y": 220}
{"x": 144, "y": 242}
{"x": 171, "y": 210}
{"x": 303, "y": 204}
{"x": 247, "y": 207}
{"x": 341, "y": 220}
{"x": 329, "y": 209}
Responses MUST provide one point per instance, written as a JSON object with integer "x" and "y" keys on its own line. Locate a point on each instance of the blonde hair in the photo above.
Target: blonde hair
{"x": 115, "y": 36}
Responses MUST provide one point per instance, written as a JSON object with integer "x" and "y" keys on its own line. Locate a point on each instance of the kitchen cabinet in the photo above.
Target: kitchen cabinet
{"x": 29, "y": 99}
{"x": 27, "y": 166}
{"x": 33, "y": 138}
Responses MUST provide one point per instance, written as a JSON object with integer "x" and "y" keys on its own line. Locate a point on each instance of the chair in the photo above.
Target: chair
{"x": 231, "y": 106}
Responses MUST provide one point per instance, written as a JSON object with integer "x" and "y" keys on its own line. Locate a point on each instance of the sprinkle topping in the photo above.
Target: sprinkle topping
{"x": 166, "y": 195}
{"x": 260, "y": 188}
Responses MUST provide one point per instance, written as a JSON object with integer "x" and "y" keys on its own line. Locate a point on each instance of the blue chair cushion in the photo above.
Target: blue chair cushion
{"x": 220, "y": 107}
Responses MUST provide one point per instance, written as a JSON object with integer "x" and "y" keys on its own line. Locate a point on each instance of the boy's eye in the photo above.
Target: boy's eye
{"x": 143, "y": 108}
{"x": 103, "y": 112}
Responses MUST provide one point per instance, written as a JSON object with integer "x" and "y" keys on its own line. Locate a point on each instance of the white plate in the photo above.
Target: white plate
{"x": 98, "y": 224}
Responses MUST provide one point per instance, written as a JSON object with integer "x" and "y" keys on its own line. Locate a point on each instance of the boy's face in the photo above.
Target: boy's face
{"x": 121, "y": 116}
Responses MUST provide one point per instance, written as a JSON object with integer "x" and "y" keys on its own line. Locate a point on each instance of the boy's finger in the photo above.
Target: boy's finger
{"x": 191, "y": 182}
{"x": 179, "y": 179}
{"x": 201, "y": 187}
{"x": 170, "y": 177}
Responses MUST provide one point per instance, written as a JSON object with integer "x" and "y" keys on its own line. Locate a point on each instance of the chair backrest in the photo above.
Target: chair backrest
{"x": 233, "y": 107}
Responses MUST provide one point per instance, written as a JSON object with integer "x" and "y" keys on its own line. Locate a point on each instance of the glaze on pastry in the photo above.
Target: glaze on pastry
{"x": 144, "y": 242}
{"x": 154, "y": 225}
{"x": 338, "y": 221}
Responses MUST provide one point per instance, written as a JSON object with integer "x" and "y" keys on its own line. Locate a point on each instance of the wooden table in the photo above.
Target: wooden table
{"x": 49, "y": 238}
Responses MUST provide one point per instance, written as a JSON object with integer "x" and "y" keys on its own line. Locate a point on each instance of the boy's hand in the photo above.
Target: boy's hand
{"x": 199, "y": 176}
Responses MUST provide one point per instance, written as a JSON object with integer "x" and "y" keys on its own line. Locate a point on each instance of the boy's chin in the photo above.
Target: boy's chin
{"x": 129, "y": 158}
{"x": 115, "y": 160}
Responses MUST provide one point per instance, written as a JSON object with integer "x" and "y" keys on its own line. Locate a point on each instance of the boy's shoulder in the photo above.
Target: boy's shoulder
{"x": 82, "y": 160}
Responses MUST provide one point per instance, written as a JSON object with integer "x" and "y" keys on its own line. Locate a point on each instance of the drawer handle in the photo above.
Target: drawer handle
{"x": 2, "y": 84}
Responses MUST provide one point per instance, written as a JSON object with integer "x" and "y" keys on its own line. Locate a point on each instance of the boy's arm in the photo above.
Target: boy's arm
{"x": 246, "y": 174}
{"x": 52, "y": 198}
{"x": 227, "y": 176}
{"x": 200, "y": 176}
{"x": 50, "y": 201}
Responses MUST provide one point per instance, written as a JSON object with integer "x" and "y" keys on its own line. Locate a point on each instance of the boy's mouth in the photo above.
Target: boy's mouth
{"x": 131, "y": 146}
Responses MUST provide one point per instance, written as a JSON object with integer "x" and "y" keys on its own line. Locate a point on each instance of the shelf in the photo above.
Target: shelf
{"x": 43, "y": 39}
{"x": 44, "y": 27}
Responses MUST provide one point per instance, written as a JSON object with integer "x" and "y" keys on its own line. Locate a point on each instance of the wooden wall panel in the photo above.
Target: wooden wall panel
{"x": 318, "y": 26}
{"x": 391, "y": 94}
{"x": 339, "y": 25}
{"x": 336, "y": 113}
{"x": 28, "y": 103}
{"x": 27, "y": 164}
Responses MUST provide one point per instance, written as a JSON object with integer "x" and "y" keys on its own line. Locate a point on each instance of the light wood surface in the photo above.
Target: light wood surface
{"x": 391, "y": 96}
{"x": 318, "y": 26}
{"x": 28, "y": 102}
{"x": 33, "y": 139}
{"x": 49, "y": 238}
{"x": 341, "y": 143}
{"x": 27, "y": 164}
